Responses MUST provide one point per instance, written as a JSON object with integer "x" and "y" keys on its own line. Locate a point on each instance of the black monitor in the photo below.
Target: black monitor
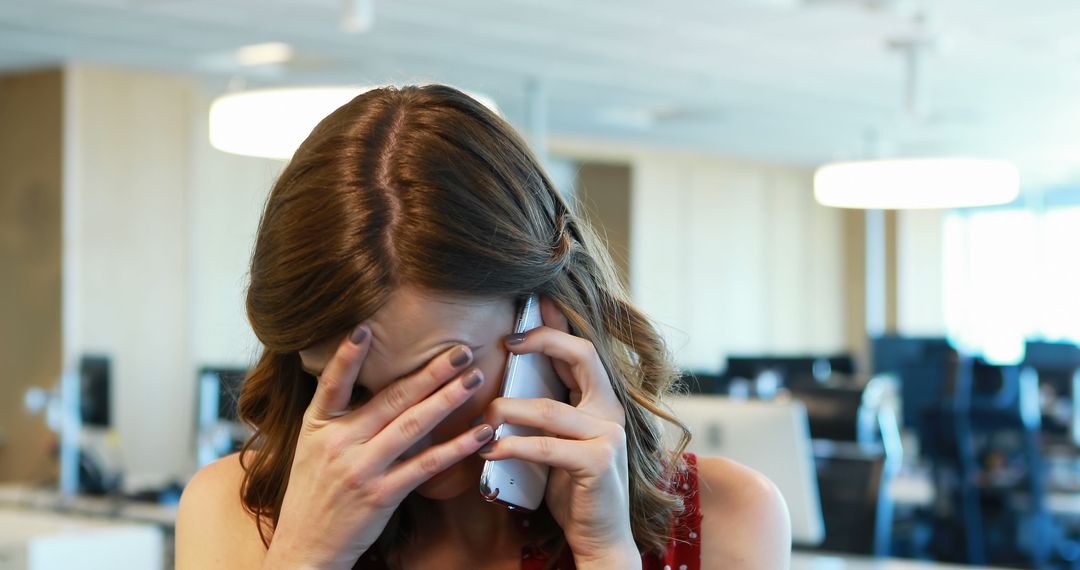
{"x": 217, "y": 426}
{"x": 701, "y": 382}
{"x": 95, "y": 379}
{"x": 833, "y": 412}
{"x": 1054, "y": 355}
{"x": 923, "y": 366}
{"x": 1056, "y": 363}
{"x": 794, "y": 370}
{"x": 220, "y": 387}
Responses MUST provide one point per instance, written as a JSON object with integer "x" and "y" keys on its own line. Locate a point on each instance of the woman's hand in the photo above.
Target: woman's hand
{"x": 588, "y": 488}
{"x": 346, "y": 478}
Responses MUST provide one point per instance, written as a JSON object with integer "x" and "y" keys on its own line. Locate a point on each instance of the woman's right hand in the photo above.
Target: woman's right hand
{"x": 346, "y": 478}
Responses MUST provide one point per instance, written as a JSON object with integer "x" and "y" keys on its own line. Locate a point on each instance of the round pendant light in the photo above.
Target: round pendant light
{"x": 916, "y": 183}
{"x": 271, "y": 123}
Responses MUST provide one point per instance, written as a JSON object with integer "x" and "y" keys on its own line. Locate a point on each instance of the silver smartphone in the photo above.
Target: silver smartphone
{"x": 514, "y": 483}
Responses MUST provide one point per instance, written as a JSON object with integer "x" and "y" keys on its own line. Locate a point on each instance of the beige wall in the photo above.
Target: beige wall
{"x": 30, "y": 246}
{"x": 920, "y": 262}
{"x": 128, "y": 258}
{"x": 604, "y": 191}
{"x": 162, "y": 226}
{"x": 731, "y": 256}
{"x": 854, "y": 224}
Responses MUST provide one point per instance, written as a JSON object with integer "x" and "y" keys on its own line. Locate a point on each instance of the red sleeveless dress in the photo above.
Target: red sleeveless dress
{"x": 683, "y": 551}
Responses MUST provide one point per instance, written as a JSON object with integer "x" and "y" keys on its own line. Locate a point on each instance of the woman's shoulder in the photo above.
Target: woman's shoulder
{"x": 212, "y": 527}
{"x": 745, "y": 522}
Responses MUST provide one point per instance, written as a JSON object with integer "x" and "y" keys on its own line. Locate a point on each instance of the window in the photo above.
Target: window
{"x": 1011, "y": 275}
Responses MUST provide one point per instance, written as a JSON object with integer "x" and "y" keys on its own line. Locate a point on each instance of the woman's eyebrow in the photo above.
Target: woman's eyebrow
{"x": 442, "y": 347}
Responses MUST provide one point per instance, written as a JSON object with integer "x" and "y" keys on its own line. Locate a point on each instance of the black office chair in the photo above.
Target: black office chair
{"x": 857, "y": 518}
{"x": 857, "y": 453}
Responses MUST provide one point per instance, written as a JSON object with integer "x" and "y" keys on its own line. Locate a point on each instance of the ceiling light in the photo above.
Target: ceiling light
{"x": 916, "y": 183}
{"x": 264, "y": 54}
{"x": 271, "y": 123}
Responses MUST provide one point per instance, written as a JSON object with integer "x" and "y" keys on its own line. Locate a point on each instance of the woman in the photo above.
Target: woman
{"x": 383, "y": 283}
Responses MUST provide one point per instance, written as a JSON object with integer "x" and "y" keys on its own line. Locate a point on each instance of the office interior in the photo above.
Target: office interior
{"x": 906, "y": 375}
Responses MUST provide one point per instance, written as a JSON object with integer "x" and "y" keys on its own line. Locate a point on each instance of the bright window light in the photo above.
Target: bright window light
{"x": 1010, "y": 276}
{"x": 271, "y": 123}
{"x": 916, "y": 183}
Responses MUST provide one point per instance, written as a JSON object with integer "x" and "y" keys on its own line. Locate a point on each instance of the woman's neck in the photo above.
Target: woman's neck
{"x": 469, "y": 522}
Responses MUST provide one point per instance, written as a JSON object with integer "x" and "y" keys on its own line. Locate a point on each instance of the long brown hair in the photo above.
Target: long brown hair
{"x": 422, "y": 185}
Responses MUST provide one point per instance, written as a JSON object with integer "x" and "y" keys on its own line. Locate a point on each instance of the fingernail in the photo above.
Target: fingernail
{"x": 484, "y": 434}
{"x": 473, "y": 379}
{"x": 461, "y": 356}
{"x": 487, "y": 447}
{"x": 516, "y": 338}
{"x": 358, "y": 334}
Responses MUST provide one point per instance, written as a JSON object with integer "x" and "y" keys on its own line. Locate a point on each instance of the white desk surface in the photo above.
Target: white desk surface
{"x": 34, "y": 540}
{"x": 813, "y": 561}
{"x": 916, "y": 489}
{"x": 21, "y": 525}
{"x": 25, "y": 497}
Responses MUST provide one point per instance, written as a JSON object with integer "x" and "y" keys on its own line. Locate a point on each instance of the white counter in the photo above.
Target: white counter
{"x": 35, "y": 540}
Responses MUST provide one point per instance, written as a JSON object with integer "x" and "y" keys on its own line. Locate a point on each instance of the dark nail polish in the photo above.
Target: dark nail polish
{"x": 516, "y": 338}
{"x": 473, "y": 379}
{"x": 358, "y": 335}
{"x": 461, "y": 356}
{"x": 487, "y": 447}
{"x": 484, "y": 434}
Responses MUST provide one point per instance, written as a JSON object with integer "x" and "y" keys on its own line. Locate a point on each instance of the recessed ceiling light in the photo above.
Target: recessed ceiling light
{"x": 264, "y": 54}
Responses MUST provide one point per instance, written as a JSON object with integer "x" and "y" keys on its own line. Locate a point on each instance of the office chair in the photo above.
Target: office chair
{"x": 857, "y": 453}
{"x": 851, "y": 484}
{"x": 984, "y": 449}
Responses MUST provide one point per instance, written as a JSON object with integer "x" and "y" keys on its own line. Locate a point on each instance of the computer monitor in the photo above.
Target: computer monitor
{"x": 1058, "y": 367}
{"x": 218, "y": 429}
{"x": 771, "y": 437}
{"x": 701, "y": 382}
{"x": 95, "y": 379}
{"x": 793, "y": 369}
{"x": 219, "y": 389}
{"x": 835, "y": 413}
{"x": 922, "y": 365}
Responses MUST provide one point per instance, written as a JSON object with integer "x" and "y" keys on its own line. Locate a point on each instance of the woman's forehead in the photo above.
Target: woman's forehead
{"x": 414, "y": 324}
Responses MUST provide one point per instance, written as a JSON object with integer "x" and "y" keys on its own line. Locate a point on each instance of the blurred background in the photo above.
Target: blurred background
{"x": 858, "y": 222}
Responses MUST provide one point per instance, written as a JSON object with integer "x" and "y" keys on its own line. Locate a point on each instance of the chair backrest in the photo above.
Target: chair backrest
{"x": 851, "y": 487}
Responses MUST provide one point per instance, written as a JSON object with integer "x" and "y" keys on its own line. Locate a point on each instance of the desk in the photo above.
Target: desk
{"x": 32, "y": 498}
{"x": 33, "y": 540}
{"x": 916, "y": 489}
{"x": 815, "y": 561}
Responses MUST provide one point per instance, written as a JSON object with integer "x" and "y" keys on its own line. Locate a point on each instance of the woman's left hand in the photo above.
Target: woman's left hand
{"x": 588, "y": 488}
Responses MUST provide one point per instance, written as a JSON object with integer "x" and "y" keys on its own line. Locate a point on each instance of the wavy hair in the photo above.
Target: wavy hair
{"x": 423, "y": 185}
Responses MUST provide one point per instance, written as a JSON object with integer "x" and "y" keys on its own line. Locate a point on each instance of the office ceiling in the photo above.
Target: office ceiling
{"x": 800, "y": 81}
